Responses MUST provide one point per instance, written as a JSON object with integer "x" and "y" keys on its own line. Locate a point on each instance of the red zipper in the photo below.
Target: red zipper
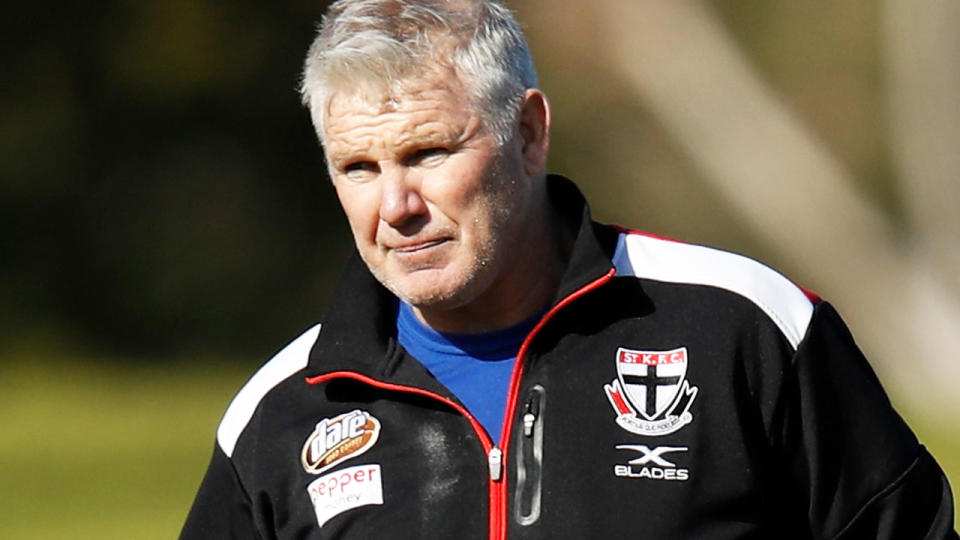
{"x": 494, "y": 493}
{"x": 496, "y": 456}
{"x": 482, "y": 433}
{"x": 498, "y": 504}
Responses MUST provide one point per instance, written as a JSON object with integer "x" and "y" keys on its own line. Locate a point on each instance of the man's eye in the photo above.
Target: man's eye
{"x": 360, "y": 169}
{"x": 430, "y": 156}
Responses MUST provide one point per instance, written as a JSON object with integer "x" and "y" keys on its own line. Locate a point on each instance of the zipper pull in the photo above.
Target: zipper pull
{"x": 528, "y": 420}
{"x": 530, "y": 410}
{"x": 495, "y": 462}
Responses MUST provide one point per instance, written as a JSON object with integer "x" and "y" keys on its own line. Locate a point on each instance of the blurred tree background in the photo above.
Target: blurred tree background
{"x": 168, "y": 222}
{"x": 163, "y": 191}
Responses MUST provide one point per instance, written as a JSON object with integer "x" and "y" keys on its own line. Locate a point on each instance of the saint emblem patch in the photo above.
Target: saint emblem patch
{"x": 651, "y": 395}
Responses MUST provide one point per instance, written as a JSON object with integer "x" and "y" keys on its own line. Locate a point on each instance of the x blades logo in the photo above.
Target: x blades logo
{"x": 651, "y": 464}
{"x": 335, "y": 440}
{"x": 651, "y": 455}
{"x": 651, "y": 395}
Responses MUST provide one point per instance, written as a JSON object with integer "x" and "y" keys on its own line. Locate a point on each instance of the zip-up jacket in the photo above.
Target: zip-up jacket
{"x": 671, "y": 392}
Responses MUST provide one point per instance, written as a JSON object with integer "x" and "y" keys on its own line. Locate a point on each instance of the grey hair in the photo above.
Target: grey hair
{"x": 380, "y": 42}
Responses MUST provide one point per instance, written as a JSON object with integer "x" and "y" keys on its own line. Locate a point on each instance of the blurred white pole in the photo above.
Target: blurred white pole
{"x": 689, "y": 72}
{"x": 922, "y": 47}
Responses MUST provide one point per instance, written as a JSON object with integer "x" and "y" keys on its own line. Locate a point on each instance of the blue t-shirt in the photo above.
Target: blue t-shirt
{"x": 474, "y": 367}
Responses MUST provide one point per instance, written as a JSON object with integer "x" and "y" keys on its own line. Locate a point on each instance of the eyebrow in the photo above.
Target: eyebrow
{"x": 450, "y": 138}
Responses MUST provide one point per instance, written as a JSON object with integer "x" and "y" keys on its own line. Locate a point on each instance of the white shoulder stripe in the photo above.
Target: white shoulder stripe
{"x": 676, "y": 262}
{"x": 285, "y": 363}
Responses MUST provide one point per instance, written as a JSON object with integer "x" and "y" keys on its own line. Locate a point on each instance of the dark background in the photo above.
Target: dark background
{"x": 162, "y": 190}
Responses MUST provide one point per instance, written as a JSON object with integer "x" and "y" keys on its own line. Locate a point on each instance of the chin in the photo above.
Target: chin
{"x": 435, "y": 292}
{"x": 432, "y": 297}
{"x": 450, "y": 286}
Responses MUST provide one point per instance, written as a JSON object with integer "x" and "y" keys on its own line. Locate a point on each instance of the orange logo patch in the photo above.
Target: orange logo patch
{"x": 335, "y": 440}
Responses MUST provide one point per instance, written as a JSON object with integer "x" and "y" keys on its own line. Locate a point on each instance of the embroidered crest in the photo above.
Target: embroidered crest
{"x": 335, "y": 440}
{"x": 651, "y": 394}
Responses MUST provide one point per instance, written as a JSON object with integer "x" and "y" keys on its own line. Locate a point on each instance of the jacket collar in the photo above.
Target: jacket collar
{"x": 359, "y": 329}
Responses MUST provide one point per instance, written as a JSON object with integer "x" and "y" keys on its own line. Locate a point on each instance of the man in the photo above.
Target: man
{"x": 496, "y": 365}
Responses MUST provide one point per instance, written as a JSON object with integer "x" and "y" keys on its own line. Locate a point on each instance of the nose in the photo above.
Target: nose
{"x": 400, "y": 198}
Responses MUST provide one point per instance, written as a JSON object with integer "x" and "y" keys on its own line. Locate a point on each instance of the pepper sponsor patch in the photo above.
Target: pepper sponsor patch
{"x": 335, "y": 440}
{"x": 345, "y": 489}
{"x": 651, "y": 395}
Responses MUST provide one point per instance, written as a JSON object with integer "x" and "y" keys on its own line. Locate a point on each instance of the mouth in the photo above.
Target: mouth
{"x": 420, "y": 255}
{"x": 417, "y": 247}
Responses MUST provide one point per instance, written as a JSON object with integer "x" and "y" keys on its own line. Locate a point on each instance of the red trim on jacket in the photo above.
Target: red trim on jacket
{"x": 484, "y": 438}
{"x": 500, "y": 532}
{"x": 485, "y": 442}
{"x": 497, "y": 488}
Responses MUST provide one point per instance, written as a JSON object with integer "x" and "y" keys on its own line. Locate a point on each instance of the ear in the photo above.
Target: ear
{"x": 534, "y": 122}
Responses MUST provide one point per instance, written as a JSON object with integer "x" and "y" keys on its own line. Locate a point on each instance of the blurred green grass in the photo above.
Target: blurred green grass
{"x": 104, "y": 450}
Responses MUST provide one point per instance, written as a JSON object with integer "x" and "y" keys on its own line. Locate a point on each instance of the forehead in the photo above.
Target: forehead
{"x": 428, "y": 107}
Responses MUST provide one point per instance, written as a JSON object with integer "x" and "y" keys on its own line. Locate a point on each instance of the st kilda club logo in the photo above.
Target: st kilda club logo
{"x": 335, "y": 440}
{"x": 651, "y": 394}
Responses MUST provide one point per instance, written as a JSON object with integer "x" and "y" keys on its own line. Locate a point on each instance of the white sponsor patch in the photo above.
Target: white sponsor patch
{"x": 346, "y": 489}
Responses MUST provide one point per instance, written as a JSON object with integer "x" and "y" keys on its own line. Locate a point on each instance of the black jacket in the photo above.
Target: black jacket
{"x": 672, "y": 392}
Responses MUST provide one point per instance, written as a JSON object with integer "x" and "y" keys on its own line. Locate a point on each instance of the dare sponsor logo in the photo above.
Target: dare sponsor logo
{"x": 335, "y": 440}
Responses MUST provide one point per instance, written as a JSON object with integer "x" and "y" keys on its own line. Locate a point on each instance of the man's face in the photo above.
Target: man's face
{"x": 432, "y": 199}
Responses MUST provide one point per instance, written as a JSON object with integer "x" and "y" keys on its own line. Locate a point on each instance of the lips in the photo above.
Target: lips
{"x": 418, "y": 246}
{"x": 422, "y": 255}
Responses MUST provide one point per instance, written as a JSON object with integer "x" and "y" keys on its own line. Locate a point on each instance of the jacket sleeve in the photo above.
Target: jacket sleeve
{"x": 860, "y": 470}
{"x": 221, "y": 508}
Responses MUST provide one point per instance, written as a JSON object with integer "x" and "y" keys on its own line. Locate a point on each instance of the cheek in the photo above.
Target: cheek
{"x": 361, "y": 207}
{"x": 460, "y": 190}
